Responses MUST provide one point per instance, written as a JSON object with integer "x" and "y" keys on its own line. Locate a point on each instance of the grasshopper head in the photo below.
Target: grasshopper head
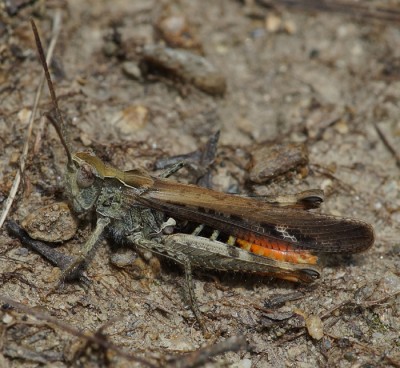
{"x": 82, "y": 184}
{"x": 82, "y": 181}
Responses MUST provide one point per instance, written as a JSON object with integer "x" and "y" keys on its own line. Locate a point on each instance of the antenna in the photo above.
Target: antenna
{"x": 58, "y": 121}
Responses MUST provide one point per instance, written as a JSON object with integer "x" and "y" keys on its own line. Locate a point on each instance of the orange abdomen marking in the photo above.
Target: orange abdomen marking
{"x": 277, "y": 250}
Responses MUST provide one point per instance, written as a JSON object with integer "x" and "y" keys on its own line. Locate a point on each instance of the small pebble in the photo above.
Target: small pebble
{"x": 315, "y": 327}
{"x": 186, "y": 66}
{"x": 132, "y": 70}
{"x": 53, "y": 223}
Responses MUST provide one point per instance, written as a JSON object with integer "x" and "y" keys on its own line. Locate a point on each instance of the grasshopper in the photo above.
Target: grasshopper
{"x": 224, "y": 232}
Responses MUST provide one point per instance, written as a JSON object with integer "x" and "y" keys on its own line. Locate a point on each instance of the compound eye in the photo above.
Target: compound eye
{"x": 84, "y": 176}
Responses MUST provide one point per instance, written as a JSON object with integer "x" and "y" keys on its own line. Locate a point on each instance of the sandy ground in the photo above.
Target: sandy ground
{"x": 321, "y": 79}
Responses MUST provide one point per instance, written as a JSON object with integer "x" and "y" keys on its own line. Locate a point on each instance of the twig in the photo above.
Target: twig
{"x": 192, "y": 359}
{"x": 198, "y": 162}
{"x": 17, "y": 179}
{"x": 387, "y": 144}
{"x": 57, "y": 258}
{"x": 326, "y": 172}
{"x": 96, "y": 338}
{"x": 328, "y": 314}
{"x": 372, "y": 303}
{"x": 38, "y": 140}
{"x": 201, "y": 356}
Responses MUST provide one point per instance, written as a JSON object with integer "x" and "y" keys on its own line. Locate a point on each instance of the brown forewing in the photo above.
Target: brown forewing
{"x": 238, "y": 215}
